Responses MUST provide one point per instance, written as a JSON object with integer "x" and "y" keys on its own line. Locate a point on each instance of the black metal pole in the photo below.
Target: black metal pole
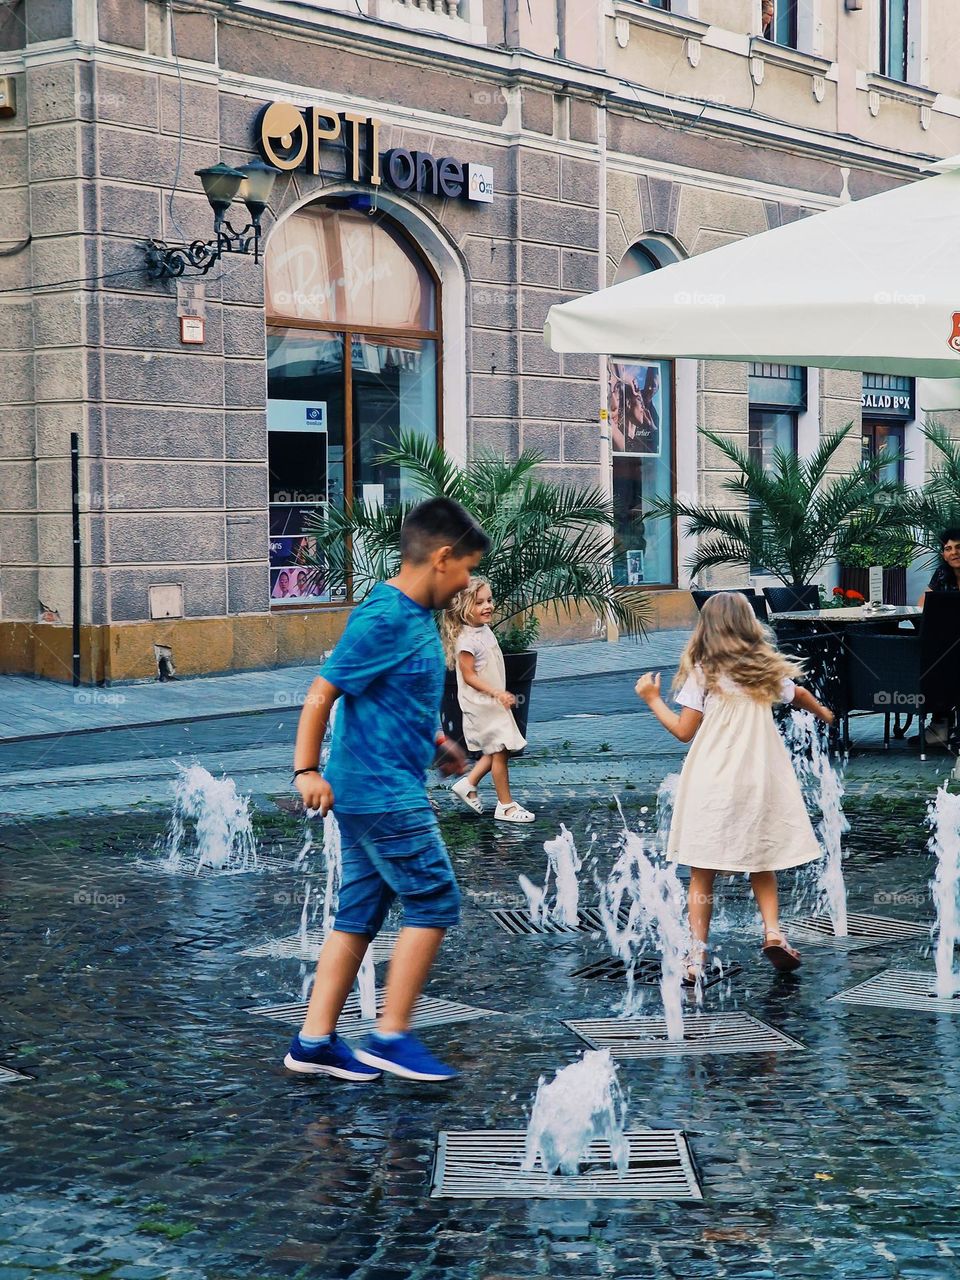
{"x": 75, "y": 508}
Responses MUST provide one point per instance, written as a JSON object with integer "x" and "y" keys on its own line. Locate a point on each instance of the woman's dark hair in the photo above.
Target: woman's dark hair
{"x": 949, "y": 535}
{"x": 440, "y": 522}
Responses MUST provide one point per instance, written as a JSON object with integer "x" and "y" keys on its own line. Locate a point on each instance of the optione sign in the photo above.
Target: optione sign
{"x": 290, "y": 137}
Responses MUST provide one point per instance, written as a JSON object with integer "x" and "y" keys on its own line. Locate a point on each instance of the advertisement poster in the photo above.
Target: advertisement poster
{"x": 635, "y": 407}
{"x": 634, "y": 568}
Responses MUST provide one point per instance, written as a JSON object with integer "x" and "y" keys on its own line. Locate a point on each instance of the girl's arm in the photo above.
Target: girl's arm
{"x": 682, "y": 726}
{"x": 468, "y": 669}
{"x": 805, "y": 701}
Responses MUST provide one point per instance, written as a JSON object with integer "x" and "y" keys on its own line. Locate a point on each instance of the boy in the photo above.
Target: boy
{"x": 389, "y": 668}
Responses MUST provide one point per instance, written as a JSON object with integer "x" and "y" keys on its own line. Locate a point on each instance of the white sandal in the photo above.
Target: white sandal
{"x": 513, "y": 812}
{"x": 464, "y": 790}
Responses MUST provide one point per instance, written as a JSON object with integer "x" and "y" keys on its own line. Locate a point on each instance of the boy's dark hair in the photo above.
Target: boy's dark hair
{"x": 949, "y": 535}
{"x": 440, "y": 522}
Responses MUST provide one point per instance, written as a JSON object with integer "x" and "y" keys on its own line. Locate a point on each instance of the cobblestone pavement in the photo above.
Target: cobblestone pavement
{"x": 159, "y": 1136}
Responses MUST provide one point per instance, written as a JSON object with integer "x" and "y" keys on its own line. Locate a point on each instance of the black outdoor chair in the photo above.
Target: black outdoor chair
{"x": 892, "y": 673}
{"x": 792, "y": 599}
{"x": 883, "y": 676}
{"x": 757, "y": 603}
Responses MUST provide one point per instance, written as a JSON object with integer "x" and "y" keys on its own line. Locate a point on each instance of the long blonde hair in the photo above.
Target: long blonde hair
{"x": 455, "y": 617}
{"x": 728, "y": 640}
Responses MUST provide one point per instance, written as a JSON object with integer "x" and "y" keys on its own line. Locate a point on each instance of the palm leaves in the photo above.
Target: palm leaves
{"x": 936, "y": 506}
{"x": 793, "y": 516}
{"x": 551, "y": 544}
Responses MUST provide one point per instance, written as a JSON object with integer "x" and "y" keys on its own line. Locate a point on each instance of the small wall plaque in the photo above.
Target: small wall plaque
{"x": 191, "y": 331}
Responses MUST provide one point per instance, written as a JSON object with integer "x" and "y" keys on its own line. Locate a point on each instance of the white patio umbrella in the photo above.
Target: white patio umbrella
{"x": 871, "y": 285}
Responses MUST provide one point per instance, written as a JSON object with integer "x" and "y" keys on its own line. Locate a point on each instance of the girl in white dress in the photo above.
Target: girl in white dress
{"x": 488, "y": 723}
{"x": 738, "y": 806}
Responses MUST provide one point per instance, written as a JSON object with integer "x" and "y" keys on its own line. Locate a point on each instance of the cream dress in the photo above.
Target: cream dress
{"x": 738, "y": 806}
{"x": 487, "y": 725}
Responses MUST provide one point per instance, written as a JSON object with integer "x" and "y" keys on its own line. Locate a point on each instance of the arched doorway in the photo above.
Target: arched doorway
{"x": 353, "y": 358}
{"x": 640, "y": 408}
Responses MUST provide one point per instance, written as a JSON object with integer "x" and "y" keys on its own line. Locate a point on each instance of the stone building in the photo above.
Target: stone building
{"x": 451, "y": 168}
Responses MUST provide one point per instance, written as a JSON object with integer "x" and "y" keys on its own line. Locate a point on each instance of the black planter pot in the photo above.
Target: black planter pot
{"x": 520, "y": 670}
{"x": 894, "y": 583}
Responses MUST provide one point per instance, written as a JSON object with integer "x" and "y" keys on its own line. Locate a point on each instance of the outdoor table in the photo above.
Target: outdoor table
{"x": 823, "y": 650}
{"x": 861, "y": 613}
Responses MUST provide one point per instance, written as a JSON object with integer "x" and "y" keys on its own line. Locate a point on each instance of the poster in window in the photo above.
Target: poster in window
{"x": 635, "y": 407}
{"x": 634, "y": 568}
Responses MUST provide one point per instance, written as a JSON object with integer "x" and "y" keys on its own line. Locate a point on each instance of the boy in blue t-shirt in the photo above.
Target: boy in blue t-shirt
{"x": 389, "y": 669}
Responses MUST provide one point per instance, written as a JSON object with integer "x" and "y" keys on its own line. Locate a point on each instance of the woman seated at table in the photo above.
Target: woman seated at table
{"x": 946, "y": 576}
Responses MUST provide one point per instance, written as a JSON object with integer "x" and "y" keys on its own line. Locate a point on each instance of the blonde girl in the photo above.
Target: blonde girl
{"x": 738, "y": 806}
{"x": 488, "y": 724}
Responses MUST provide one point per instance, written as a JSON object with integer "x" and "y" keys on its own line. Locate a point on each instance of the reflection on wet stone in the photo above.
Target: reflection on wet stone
{"x": 158, "y": 1136}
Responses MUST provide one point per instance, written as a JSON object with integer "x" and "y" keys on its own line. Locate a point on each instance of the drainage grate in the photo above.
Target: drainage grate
{"x": 862, "y": 930}
{"x": 482, "y": 1164}
{"x": 265, "y": 862}
{"x": 647, "y": 972}
{"x": 307, "y": 947}
{"x": 900, "y": 989}
{"x": 733, "y": 1032}
{"x": 516, "y": 920}
{"x": 429, "y": 1011}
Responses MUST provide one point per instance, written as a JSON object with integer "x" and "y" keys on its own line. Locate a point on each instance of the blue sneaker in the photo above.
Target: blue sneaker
{"x": 406, "y": 1057}
{"x": 333, "y": 1059}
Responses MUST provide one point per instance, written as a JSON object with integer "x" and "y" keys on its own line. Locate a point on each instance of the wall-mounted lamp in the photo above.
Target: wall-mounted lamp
{"x": 853, "y": 5}
{"x": 222, "y": 184}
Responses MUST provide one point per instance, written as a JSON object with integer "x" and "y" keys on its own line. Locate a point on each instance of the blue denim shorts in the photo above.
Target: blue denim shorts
{"x": 393, "y": 855}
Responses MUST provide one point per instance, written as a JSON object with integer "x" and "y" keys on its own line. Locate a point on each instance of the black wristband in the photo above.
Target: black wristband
{"x": 297, "y": 772}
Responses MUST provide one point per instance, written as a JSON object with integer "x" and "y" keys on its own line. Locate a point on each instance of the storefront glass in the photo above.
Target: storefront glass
{"x": 352, "y": 362}
{"x": 640, "y": 414}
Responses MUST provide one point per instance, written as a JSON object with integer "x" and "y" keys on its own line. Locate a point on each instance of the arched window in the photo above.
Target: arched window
{"x": 353, "y": 360}
{"x": 640, "y": 412}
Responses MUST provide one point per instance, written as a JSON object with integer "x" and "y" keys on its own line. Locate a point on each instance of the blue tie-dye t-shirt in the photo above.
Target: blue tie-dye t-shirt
{"x": 389, "y": 666}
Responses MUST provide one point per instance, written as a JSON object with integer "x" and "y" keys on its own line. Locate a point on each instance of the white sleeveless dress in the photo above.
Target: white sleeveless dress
{"x": 738, "y": 806}
{"x": 488, "y": 726}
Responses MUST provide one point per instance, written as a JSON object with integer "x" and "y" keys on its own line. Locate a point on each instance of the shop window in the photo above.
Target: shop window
{"x": 894, "y": 38}
{"x": 640, "y": 414}
{"x": 887, "y": 405}
{"x": 777, "y": 395}
{"x": 353, "y": 360}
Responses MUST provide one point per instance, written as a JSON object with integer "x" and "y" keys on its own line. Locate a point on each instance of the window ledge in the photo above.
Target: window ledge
{"x": 440, "y": 16}
{"x": 637, "y": 14}
{"x": 781, "y": 55}
{"x": 900, "y": 90}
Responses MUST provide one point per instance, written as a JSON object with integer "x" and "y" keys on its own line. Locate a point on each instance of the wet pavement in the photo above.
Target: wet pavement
{"x": 159, "y": 1135}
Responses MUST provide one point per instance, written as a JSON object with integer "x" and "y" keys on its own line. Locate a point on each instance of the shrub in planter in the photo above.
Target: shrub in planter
{"x": 551, "y": 548}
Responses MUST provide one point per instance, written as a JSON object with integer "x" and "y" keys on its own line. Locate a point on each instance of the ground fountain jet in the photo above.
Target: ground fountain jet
{"x": 943, "y": 815}
{"x": 642, "y": 909}
{"x": 563, "y": 865}
{"x": 582, "y": 1105}
{"x": 822, "y": 784}
{"x": 210, "y": 826}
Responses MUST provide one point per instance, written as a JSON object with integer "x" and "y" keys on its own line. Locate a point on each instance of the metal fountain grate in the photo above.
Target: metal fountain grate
{"x": 647, "y": 971}
{"x": 9, "y": 1076}
{"x": 307, "y": 947}
{"x": 733, "y": 1032}
{"x": 265, "y": 862}
{"x": 862, "y": 930}
{"x": 900, "y": 989}
{"x": 516, "y": 920}
{"x": 484, "y": 1163}
{"x": 429, "y": 1011}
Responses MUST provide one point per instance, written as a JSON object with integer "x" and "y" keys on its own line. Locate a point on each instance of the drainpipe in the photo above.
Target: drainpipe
{"x": 75, "y": 512}
{"x": 606, "y": 456}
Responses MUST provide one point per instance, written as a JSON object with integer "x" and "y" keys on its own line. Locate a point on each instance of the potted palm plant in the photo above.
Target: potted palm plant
{"x": 793, "y": 516}
{"x": 935, "y": 507}
{"x": 551, "y": 549}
